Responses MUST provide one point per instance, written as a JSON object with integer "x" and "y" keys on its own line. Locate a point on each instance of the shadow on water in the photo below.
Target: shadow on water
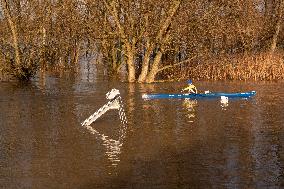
{"x": 167, "y": 144}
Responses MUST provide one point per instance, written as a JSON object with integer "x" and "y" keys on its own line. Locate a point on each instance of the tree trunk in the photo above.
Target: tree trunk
{"x": 77, "y": 54}
{"x": 147, "y": 55}
{"x": 43, "y": 49}
{"x": 130, "y": 42}
{"x": 130, "y": 63}
{"x": 161, "y": 39}
{"x": 167, "y": 22}
{"x": 114, "y": 58}
{"x": 155, "y": 68}
{"x": 146, "y": 62}
{"x": 14, "y": 32}
{"x": 130, "y": 46}
{"x": 145, "y": 67}
{"x": 277, "y": 27}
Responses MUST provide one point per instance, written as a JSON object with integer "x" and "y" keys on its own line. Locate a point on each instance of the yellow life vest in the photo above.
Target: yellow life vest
{"x": 190, "y": 88}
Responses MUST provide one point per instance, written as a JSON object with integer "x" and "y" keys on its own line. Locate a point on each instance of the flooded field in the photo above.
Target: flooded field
{"x": 168, "y": 143}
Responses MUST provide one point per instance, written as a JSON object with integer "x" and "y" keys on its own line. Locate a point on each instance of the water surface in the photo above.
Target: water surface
{"x": 169, "y": 143}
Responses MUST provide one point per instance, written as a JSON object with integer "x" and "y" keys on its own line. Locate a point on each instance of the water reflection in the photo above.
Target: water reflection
{"x": 224, "y": 102}
{"x": 265, "y": 149}
{"x": 112, "y": 146}
{"x": 130, "y": 101}
{"x": 190, "y": 105}
{"x": 43, "y": 146}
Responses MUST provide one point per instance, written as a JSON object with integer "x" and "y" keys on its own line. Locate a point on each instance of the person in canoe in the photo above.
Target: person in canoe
{"x": 190, "y": 88}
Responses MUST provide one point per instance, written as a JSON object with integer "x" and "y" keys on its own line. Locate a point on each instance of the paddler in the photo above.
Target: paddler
{"x": 190, "y": 88}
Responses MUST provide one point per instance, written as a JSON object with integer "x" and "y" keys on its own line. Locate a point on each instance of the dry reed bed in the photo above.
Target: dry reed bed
{"x": 257, "y": 67}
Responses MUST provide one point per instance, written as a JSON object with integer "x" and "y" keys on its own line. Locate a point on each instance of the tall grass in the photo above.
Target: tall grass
{"x": 256, "y": 67}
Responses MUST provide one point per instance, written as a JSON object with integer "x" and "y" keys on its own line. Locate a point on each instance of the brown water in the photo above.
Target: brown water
{"x": 168, "y": 143}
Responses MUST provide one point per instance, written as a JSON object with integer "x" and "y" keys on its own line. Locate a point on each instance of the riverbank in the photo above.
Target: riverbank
{"x": 250, "y": 67}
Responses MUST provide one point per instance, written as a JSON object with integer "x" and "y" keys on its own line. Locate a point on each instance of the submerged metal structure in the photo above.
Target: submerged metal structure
{"x": 115, "y": 102}
{"x": 113, "y": 147}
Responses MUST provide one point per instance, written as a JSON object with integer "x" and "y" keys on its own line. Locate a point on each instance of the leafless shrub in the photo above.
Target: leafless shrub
{"x": 148, "y": 38}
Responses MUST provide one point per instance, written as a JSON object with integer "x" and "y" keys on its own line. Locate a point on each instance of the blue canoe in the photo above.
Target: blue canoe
{"x": 200, "y": 95}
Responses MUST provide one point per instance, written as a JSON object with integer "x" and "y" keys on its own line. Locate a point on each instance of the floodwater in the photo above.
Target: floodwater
{"x": 168, "y": 143}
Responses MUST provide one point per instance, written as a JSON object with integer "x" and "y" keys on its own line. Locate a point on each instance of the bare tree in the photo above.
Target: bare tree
{"x": 151, "y": 43}
{"x": 145, "y": 37}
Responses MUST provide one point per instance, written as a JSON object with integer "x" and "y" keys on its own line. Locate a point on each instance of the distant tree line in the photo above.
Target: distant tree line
{"x": 146, "y": 37}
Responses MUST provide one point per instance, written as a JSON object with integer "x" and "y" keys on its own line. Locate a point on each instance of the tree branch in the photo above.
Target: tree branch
{"x": 174, "y": 65}
{"x": 168, "y": 20}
